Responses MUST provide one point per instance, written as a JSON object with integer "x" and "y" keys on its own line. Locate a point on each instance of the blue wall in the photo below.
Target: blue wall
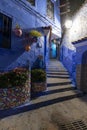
{"x": 27, "y": 16}
{"x": 68, "y": 57}
{"x": 73, "y": 57}
{"x": 74, "y": 42}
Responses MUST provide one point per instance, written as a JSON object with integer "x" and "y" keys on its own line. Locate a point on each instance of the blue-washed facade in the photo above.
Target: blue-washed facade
{"x": 74, "y": 47}
{"x": 28, "y": 14}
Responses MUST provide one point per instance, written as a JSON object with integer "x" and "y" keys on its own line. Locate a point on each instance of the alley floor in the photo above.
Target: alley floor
{"x": 60, "y": 107}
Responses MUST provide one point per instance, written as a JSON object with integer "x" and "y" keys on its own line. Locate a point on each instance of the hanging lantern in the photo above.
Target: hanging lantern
{"x": 27, "y": 47}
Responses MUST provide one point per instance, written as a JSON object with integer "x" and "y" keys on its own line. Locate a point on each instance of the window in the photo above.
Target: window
{"x": 32, "y": 2}
{"x": 5, "y": 31}
{"x": 50, "y": 9}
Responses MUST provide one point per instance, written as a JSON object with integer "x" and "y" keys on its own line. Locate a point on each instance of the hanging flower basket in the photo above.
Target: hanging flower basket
{"x": 35, "y": 33}
{"x": 18, "y": 31}
{"x": 31, "y": 37}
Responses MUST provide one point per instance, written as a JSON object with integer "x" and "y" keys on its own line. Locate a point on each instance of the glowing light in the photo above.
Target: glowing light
{"x": 68, "y": 24}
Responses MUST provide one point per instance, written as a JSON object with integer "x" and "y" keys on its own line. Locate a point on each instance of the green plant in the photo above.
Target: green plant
{"x": 35, "y": 33}
{"x": 38, "y": 75}
{"x": 4, "y": 80}
{"x": 17, "y": 77}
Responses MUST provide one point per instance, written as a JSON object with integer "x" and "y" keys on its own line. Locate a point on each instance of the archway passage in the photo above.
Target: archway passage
{"x": 53, "y": 51}
{"x": 84, "y": 72}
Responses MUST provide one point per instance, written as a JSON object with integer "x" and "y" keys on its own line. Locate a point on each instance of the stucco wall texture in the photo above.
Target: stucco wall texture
{"x": 78, "y": 31}
{"x": 27, "y": 16}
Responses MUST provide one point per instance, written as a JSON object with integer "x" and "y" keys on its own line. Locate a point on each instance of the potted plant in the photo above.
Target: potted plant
{"x": 35, "y": 34}
{"x": 30, "y": 38}
{"x": 14, "y": 88}
{"x": 38, "y": 80}
{"x": 18, "y": 31}
{"x": 16, "y": 77}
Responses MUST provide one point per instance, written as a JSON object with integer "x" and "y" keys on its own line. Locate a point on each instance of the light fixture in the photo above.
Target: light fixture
{"x": 68, "y": 23}
{"x": 46, "y": 30}
{"x": 27, "y": 47}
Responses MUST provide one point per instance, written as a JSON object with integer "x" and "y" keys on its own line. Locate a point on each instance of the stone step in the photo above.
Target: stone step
{"x": 57, "y": 68}
{"x": 59, "y": 86}
{"x": 56, "y": 96}
{"x": 58, "y": 73}
{"x": 56, "y": 86}
{"x": 58, "y": 76}
{"x": 58, "y": 80}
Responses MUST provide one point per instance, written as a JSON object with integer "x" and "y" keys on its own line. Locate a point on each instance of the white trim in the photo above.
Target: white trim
{"x": 80, "y": 44}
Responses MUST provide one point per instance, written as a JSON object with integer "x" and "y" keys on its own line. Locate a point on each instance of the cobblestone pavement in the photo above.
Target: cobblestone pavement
{"x": 60, "y": 104}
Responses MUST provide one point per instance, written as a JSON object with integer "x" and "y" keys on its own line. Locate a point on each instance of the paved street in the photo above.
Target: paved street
{"x": 60, "y": 107}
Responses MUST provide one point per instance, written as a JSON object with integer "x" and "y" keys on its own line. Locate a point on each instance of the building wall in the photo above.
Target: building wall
{"x": 81, "y": 65}
{"x": 70, "y": 54}
{"x": 28, "y": 17}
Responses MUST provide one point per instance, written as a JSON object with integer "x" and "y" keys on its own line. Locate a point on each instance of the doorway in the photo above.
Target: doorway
{"x": 53, "y": 51}
{"x": 84, "y": 72}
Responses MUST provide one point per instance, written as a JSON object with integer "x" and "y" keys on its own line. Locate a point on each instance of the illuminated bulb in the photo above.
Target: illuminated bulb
{"x": 27, "y": 47}
{"x": 68, "y": 24}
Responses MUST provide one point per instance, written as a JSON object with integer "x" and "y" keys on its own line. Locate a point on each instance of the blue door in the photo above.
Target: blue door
{"x": 53, "y": 50}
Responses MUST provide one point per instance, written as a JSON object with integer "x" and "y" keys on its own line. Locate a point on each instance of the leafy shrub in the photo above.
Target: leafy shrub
{"x": 38, "y": 75}
{"x": 4, "y": 80}
{"x": 17, "y": 77}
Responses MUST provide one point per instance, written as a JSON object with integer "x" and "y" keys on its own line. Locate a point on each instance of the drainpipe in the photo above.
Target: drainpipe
{"x": 46, "y": 31}
{"x": 45, "y": 41}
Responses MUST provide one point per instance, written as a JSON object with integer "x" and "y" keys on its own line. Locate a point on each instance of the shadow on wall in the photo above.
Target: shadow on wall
{"x": 8, "y": 57}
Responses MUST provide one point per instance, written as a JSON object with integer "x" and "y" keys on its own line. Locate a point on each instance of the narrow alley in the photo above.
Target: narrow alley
{"x": 60, "y": 107}
{"x": 43, "y": 65}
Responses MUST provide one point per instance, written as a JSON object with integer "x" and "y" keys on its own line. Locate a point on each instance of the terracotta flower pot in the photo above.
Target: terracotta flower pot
{"x": 27, "y": 47}
{"x": 18, "y": 32}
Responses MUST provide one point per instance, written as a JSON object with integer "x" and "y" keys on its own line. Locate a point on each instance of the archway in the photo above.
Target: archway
{"x": 84, "y": 72}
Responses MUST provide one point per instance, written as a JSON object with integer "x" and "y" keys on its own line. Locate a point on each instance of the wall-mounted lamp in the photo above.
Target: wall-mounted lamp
{"x": 46, "y": 30}
{"x": 68, "y": 24}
